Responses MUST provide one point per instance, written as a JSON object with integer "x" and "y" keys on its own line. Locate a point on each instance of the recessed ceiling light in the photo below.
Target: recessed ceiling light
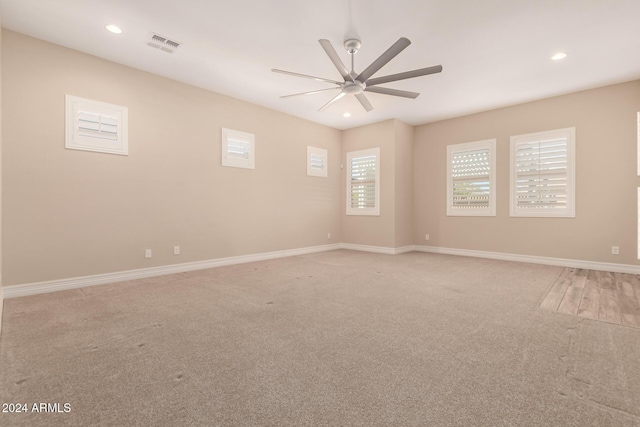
{"x": 559, "y": 55}
{"x": 346, "y": 115}
{"x": 114, "y": 29}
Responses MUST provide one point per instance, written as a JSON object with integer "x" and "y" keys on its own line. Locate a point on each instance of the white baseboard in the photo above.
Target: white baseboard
{"x": 378, "y": 249}
{"x": 15, "y": 291}
{"x": 562, "y": 262}
{"x": 100, "y": 279}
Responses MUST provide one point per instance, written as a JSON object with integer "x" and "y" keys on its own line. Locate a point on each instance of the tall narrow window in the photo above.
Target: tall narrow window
{"x": 238, "y": 149}
{"x": 543, "y": 174}
{"x": 471, "y": 176}
{"x": 363, "y": 182}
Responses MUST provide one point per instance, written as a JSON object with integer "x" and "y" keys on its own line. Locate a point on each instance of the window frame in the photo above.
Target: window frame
{"x": 375, "y": 210}
{"x": 74, "y": 138}
{"x": 570, "y": 210}
{"x": 452, "y": 149}
{"x": 323, "y": 154}
{"x": 237, "y": 162}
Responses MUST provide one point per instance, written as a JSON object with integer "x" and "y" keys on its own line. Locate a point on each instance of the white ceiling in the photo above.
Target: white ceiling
{"x": 494, "y": 52}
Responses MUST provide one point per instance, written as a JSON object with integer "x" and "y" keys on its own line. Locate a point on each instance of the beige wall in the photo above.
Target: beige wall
{"x": 394, "y": 227}
{"x": 364, "y": 229}
{"x": 70, "y": 213}
{"x": 606, "y": 181}
{"x": 1, "y": 279}
{"x": 403, "y": 185}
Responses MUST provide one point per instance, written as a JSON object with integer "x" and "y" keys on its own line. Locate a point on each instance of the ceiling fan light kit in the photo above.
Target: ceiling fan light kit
{"x": 356, "y": 84}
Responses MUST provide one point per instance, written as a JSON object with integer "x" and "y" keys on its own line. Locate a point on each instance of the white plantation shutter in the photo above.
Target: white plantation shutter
{"x": 238, "y": 149}
{"x": 542, "y": 174}
{"x": 95, "y": 126}
{"x": 316, "y": 161}
{"x": 471, "y": 178}
{"x": 363, "y": 182}
{"x": 363, "y": 187}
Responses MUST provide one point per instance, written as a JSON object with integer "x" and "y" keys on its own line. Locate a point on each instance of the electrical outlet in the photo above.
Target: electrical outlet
{"x": 328, "y": 235}
{"x": 426, "y": 237}
{"x": 147, "y": 253}
{"x": 176, "y": 250}
{"x": 615, "y": 250}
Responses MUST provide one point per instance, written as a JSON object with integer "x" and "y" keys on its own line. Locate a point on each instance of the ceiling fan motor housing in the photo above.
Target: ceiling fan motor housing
{"x": 352, "y": 45}
{"x": 354, "y": 87}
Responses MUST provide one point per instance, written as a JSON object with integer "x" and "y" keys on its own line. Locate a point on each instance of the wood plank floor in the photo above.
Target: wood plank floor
{"x": 597, "y": 295}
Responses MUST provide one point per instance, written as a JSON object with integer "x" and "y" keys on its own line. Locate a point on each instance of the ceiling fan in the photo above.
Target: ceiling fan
{"x": 356, "y": 84}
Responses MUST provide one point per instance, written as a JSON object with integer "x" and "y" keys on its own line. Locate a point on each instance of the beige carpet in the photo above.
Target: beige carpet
{"x": 339, "y": 338}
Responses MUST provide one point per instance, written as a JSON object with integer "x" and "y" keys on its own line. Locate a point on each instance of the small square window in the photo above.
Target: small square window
{"x": 238, "y": 149}
{"x": 316, "y": 162}
{"x": 96, "y": 126}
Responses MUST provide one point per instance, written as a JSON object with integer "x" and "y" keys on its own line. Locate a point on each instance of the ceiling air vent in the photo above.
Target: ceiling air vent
{"x": 164, "y": 44}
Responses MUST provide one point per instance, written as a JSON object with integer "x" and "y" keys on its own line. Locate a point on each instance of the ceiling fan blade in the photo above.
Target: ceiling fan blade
{"x": 333, "y": 55}
{"x": 405, "y": 75}
{"x": 394, "y": 92}
{"x": 334, "y": 99}
{"x": 364, "y": 101}
{"x": 320, "y": 79}
{"x": 309, "y": 93}
{"x": 387, "y": 56}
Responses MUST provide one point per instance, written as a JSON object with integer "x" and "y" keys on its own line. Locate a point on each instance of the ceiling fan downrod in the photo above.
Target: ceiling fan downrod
{"x": 352, "y": 46}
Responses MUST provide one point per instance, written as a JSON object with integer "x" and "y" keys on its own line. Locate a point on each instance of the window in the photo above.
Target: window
{"x": 543, "y": 174}
{"x": 238, "y": 149}
{"x": 471, "y": 179}
{"x": 316, "y": 161}
{"x": 95, "y": 126}
{"x": 363, "y": 182}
